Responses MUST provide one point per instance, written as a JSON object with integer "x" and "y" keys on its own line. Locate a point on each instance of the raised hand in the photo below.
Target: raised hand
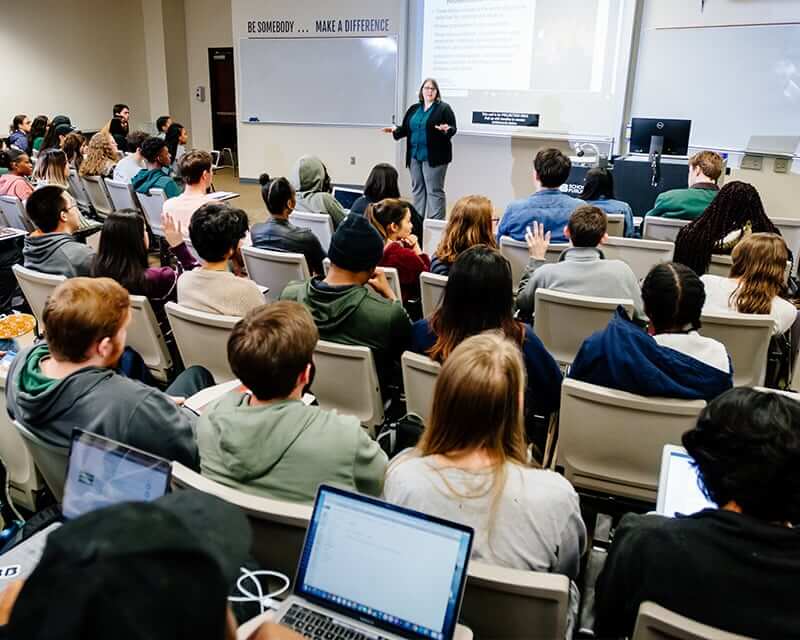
{"x": 537, "y": 240}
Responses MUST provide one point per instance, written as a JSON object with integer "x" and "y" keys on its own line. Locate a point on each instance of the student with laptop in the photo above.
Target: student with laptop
{"x": 705, "y": 168}
{"x": 735, "y": 567}
{"x": 313, "y": 185}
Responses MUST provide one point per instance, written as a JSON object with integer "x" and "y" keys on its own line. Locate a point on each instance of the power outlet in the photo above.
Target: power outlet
{"x": 752, "y": 162}
{"x": 352, "y": 159}
{"x": 781, "y": 165}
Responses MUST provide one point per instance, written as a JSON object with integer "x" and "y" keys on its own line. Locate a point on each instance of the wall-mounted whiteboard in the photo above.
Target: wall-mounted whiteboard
{"x": 330, "y": 81}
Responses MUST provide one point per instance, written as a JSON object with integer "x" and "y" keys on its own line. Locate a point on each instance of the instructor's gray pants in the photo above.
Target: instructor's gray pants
{"x": 427, "y": 188}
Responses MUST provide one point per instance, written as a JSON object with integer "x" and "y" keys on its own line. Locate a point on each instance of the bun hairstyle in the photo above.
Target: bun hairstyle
{"x": 277, "y": 193}
{"x": 386, "y": 212}
{"x": 10, "y": 156}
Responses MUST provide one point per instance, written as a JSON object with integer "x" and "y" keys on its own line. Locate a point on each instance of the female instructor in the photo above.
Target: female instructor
{"x": 428, "y": 127}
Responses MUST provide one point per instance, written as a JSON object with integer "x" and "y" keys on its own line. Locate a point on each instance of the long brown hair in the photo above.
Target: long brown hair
{"x": 759, "y": 262}
{"x": 470, "y": 223}
{"x": 99, "y": 155}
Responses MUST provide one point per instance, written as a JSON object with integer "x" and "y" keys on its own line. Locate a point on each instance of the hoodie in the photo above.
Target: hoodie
{"x": 148, "y": 179}
{"x": 58, "y": 254}
{"x": 308, "y": 180}
{"x": 286, "y": 449}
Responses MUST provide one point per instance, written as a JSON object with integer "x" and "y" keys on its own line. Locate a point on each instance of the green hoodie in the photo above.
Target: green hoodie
{"x": 148, "y": 179}
{"x": 308, "y": 178}
{"x": 286, "y": 449}
{"x": 684, "y": 204}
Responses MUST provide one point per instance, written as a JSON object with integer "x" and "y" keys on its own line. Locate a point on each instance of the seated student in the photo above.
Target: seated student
{"x": 156, "y": 175}
{"x": 70, "y": 380}
{"x": 101, "y": 156}
{"x": 671, "y": 359}
{"x": 36, "y": 134}
{"x": 267, "y": 441}
{"x": 73, "y": 145}
{"x": 705, "y": 168}
{"x": 598, "y": 190}
{"x": 354, "y": 303}
{"x": 278, "y": 233}
{"x": 734, "y": 567}
{"x": 14, "y": 183}
{"x": 582, "y": 270}
{"x": 392, "y": 219}
{"x": 469, "y": 224}
{"x": 197, "y": 176}
{"x": 756, "y": 281}
{"x": 176, "y": 138}
{"x": 381, "y": 184}
{"x": 123, "y": 112}
{"x": 548, "y": 206}
{"x": 216, "y": 231}
{"x": 134, "y": 162}
{"x": 734, "y": 214}
{"x": 19, "y": 129}
{"x": 162, "y": 124}
{"x": 52, "y": 168}
{"x": 313, "y": 185}
{"x": 118, "y": 131}
{"x": 471, "y": 466}
{"x": 58, "y": 130}
{"x": 52, "y": 248}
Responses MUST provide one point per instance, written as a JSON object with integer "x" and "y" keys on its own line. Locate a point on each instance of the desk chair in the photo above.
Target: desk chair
{"x": 144, "y": 335}
{"x": 50, "y": 459}
{"x": 666, "y": 229}
{"x": 746, "y": 336}
{"x": 790, "y": 230}
{"x": 516, "y": 253}
{"x": 36, "y": 287}
{"x": 95, "y": 188}
{"x": 616, "y": 224}
{"x": 274, "y": 269}
{"x": 640, "y": 255}
{"x": 78, "y": 192}
{"x": 152, "y": 204}
{"x": 419, "y": 380}
{"x": 122, "y": 195}
{"x": 320, "y": 224}
{"x": 14, "y": 213}
{"x": 432, "y": 288}
{"x": 655, "y": 622}
{"x": 432, "y": 232}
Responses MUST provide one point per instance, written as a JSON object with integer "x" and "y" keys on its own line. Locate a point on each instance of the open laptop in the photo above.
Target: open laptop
{"x": 371, "y": 570}
{"x": 100, "y": 472}
{"x": 679, "y": 489}
{"x": 346, "y": 197}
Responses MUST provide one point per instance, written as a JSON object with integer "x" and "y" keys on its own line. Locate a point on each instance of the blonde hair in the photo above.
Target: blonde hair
{"x": 100, "y": 155}
{"x": 759, "y": 262}
{"x": 470, "y": 223}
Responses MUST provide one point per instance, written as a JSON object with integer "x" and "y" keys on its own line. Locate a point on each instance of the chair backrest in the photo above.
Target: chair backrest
{"x": 639, "y": 255}
{"x": 655, "y": 622}
{"x": 274, "y": 269}
{"x": 657, "y": 228}
{"x": 202, "y": 339}
{"x": 510, "y": 603}
{"x": 564, "y": 320}
{"x": 320, "y": 224}
{"x": 790, "y": 230}
{"x": 95, "y": 188}
{"x": 37, "y": 287}
{"x": 122, "y": 195}
{"x": 279, "y": 527}
{"x": 393, "y": 279}
{"x": 432, "y": 232}
{"x": 51, "y": 460}
{"x": 14, "y": 213}
{"x": 77, "y": 190}
{"x": 419, "y": 380}
{"x": 611, "y": 441}
{"x": 153, "y": 204}
{"x": 144, "y": 335}
{"x": 360, "y": 396}
{"x": 746, "y": 336}
{"x": 516, "y": 253}
{"x": 432, "y": 289}
{"x": 616, "y": 224}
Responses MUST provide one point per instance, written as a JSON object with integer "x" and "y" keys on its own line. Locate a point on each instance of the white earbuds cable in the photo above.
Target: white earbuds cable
{"x": 265, "y": 601}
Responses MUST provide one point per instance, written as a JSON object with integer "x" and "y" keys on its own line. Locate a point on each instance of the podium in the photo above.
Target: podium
{"x": 632, "y": 180}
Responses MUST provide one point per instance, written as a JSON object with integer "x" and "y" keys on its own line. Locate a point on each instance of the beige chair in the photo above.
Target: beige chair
{"x": 144, "y": 335}
{"x": 419, "y": 380}
{"x": 616, "y": 224}
{"x": 655, "y": 622}
{"x": 666, "y": 229}
{"x": 14, "y": 213}
{"x": 50, "y": 459}
{"x": 95, "y": 188}
{"x": 564, "y": 320}
{"x": 37, "y": 287}
{"x": 790, "y": 230}
{"x": 202, "y": 339}
{"x": 746, "y": 336}
{"x": 611, "y": 441}
{"x": 432, "y": 288}
{"x": 516, "y": 253}
{"x": 274, "y": 269}
{"x": 510, "y": 603}
{"x": 639, "y": 255}
{"x": 320, "y": 224}
{"x": 77, "y": 191}
{"x": 152, "y": 204}
{"x": 122, "y": 195}
{"x": 393, "y": 279}
{"x": 432, "y": 232}
{"x": 347, "y": 380}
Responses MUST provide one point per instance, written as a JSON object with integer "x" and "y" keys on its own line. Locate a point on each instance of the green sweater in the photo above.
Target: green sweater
{"x": 684, "y": 204}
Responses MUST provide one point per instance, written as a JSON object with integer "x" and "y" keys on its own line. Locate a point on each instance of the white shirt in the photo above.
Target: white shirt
{"x": 127, "y": 168}
{"x": 706, "y": 350}
{"x": 183, "y": 206}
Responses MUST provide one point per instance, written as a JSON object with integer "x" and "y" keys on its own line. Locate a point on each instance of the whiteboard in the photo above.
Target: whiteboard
{"x": 329, "y": 81}
{"x": 733, "y": 83}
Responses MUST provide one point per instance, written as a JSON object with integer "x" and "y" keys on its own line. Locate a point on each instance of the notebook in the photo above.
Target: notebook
{"x": 679, "y": 489}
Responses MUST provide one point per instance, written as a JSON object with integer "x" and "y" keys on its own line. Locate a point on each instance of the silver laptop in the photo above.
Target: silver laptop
{"x": 679, "y": 489}
{"x": 100, "y": 472}
{"x": 371, "y": 570}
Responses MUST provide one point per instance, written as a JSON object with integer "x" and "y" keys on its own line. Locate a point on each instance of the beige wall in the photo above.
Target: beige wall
{"x": 174, "y": 27}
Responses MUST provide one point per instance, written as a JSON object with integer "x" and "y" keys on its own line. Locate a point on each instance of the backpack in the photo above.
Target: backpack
{"x": 401, "y": 434}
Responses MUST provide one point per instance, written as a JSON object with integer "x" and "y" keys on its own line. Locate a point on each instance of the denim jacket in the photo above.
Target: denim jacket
{"x": 549, "y": 207}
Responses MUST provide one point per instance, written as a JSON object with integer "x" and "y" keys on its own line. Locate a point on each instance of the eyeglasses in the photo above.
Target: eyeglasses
{"x": 430, "y": 88}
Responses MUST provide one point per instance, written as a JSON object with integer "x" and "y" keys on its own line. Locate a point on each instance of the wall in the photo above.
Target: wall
{"x": 156, "y": 60}
{"x": 174, "y": 27}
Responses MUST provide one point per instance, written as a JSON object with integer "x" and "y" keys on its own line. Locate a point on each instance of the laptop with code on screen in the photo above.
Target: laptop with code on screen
{"x": 679, "y": 489}
{"x": 371, "y": 570}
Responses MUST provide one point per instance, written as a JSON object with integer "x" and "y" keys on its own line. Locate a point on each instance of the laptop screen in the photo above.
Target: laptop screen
{"x": 385, "y": 565}
{"x": 346, "y": 197}
{"x": 102, "y": 472}
{"x": 679, "y": 487}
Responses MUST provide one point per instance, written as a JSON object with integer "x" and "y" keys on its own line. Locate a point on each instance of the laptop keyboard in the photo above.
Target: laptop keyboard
{"x": 312, "y": 624}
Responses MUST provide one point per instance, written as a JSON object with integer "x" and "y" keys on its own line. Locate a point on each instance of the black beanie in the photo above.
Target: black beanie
{"x": 356, "y": 245}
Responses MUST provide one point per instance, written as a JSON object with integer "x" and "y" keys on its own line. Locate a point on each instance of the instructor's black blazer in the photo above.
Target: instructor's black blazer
{"x": 440, "y": 149}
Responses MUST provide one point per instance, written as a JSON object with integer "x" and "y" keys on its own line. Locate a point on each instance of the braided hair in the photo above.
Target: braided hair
{"x": 736, "y": 205}
{"x": 673, "y": 297}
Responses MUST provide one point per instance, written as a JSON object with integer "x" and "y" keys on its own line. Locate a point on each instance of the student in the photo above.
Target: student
{"x": 20, "y": 127}
{"x": 156, "y": 175}
{"x": 134, "y": 162}
{"x": 469, "y": 224}
{"x": 471, "y": 466}
{"x": 101, "y": 156}
{"x": 162, "y": 124}
{"x": 51, "y": 169}
{"x": 598, "y": 190}
{"x": 176, "y": 138}
{"x": 381, "y": 184}
{"x": 705, "y": 168}
{"x": 277, "y": 233}
{"x": 15, "y": 183}
{"x": 756, "y": 281}
{"x": 548, "y": 206}
{"x": 392, "y": 219}
{"x": 267, "y": 441}
{"x": 354, "y": 303}
{"x": 733, "y": 214}
{"x": 313, "y": 185}
{"x": 57, "y": 133}
{"x": 118, "y": 130}
{"x": 671, "y": 360}
{"x": 36, "y": 134}
{"x": 734, "y": 567}
{"x": 582, "y": 269}
{"x": 123, "y": 112}
{"x": 216, "y": 231}
{"x": 70, "y": 380}
{"x": 73, "y": 145}
{"x": 196, "y": 172}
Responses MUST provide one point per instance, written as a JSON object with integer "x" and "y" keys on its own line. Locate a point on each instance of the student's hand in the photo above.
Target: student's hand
{"x": 537, "y": 240}
{"x": 444, "y": 128}
{"x": 173, "y": 232}
{"x": 273, "y": 631}
{"x": 388, "y": 129}
{"x": 179, "y": 400}
{"x": 8, "y": 598}
{"x": 411, "y": 242}
{"x": 381, "y": 285}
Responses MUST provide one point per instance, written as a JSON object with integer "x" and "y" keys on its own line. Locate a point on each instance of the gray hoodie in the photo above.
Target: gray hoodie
{"x": 59, "y": 254}
{"x": 308, "y": 179}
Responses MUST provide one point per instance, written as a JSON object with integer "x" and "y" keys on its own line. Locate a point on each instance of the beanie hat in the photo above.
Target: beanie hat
{"x": 356, "y": 245}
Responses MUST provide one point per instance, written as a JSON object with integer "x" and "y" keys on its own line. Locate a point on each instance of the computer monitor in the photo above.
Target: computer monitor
{"x": 672, "y": 136}
{"x": 679, "y": 489}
